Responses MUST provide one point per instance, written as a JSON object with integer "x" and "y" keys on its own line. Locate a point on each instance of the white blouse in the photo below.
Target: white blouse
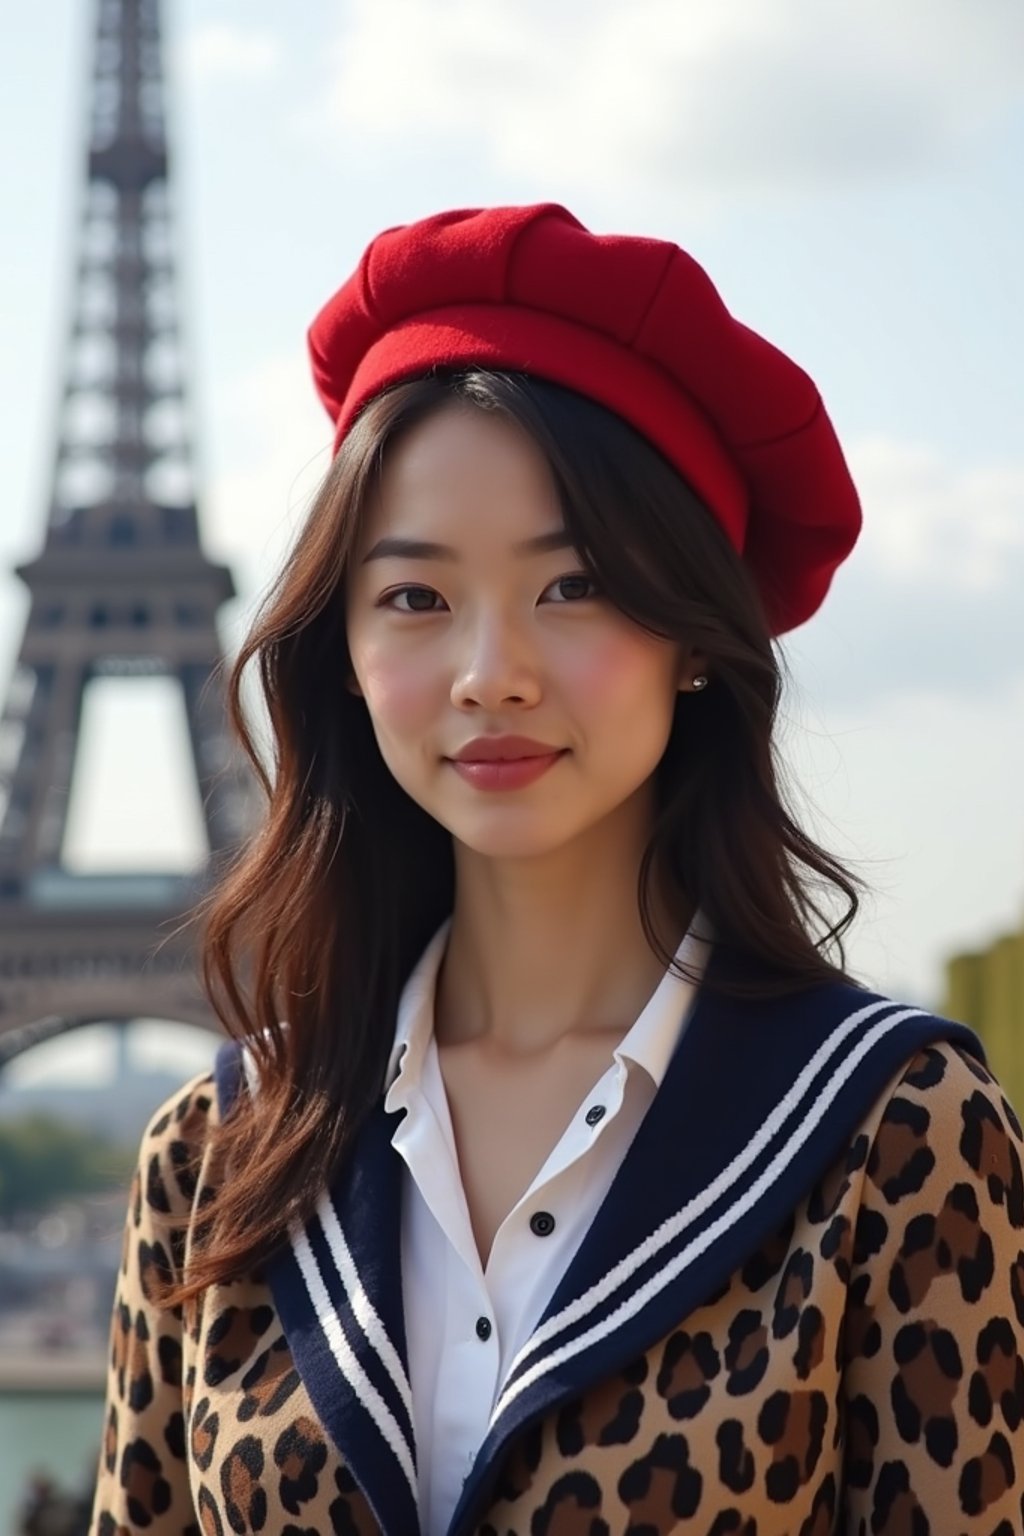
{"x": 465, "y": 1324}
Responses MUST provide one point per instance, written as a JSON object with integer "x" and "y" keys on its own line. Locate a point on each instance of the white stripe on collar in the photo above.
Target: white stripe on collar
{"x": 346, "y": 1360}
{"x": 363, "y": 1311}
{"x": 808, "y": 1114}
{"x": 362, "y": 1307}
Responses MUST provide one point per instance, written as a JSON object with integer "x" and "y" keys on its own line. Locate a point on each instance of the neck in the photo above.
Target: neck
{"x": 541, "y": 948}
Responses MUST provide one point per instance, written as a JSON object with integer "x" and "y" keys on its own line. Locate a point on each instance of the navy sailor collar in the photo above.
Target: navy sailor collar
{"x": 758, "y": 1100}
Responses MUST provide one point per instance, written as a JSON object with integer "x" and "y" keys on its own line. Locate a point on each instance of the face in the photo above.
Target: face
{"x": 509, "y": 698}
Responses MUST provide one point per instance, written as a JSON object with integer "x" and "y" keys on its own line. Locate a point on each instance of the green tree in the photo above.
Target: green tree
{"x": 44, "y": 1161}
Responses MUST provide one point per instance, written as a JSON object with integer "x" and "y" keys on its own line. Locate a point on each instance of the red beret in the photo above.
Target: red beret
{"x": 637, "y": 325}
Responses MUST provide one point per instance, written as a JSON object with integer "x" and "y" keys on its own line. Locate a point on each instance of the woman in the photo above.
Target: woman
{"x": 556, "y": 1179}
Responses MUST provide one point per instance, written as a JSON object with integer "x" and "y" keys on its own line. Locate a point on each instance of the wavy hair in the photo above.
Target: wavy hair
{"x": 322, "y": 915}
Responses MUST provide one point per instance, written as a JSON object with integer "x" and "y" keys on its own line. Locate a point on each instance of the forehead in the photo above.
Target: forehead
{"x": 463, "y": 460}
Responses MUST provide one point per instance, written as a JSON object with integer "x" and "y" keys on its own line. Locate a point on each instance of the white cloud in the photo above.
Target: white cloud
{"x": 223, "y": 50}
{"x": 927, "y": 521}
{"x": 921, "y": 793}
{"x": 929, "y": 601}
{"x": 740, "y": 96}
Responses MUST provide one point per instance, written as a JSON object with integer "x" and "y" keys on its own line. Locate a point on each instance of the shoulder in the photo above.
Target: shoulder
{"x": 945, "y": 1118}
{"x": 856, "y": 1073}
{"x": 163, "y": 1195}
{"x": 895, "y": 1049}
{"x": 947, "y": 1074}
{"x": 173, "y": 1147}
{"x": 940, "y": 1101}
{"x": 818, "y": 1064}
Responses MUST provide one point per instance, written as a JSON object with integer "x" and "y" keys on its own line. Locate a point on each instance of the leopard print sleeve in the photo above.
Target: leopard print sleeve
{"x": 934, "y": 1330}
{"x": 143, "y": 1479}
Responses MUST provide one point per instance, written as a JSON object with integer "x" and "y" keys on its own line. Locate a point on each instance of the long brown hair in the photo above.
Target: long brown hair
{"x": 324, "y": 913}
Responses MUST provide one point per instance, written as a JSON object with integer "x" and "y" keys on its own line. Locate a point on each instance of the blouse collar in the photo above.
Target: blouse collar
{"x": 649, "y": 1043}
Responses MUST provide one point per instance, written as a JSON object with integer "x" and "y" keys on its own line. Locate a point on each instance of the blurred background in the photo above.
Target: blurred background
{"x": 850, "y": 175}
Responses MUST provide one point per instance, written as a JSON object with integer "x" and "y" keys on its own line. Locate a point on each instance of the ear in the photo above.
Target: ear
{"x": 352, "y": 686}
{"x": 692, "y": 663}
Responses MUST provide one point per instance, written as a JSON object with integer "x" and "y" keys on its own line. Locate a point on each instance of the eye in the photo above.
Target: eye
{"x": 574, "y": 588}
{"x": 418, "y": 600}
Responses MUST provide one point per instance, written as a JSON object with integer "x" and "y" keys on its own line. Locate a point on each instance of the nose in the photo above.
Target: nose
{"x": 495, "y": 666}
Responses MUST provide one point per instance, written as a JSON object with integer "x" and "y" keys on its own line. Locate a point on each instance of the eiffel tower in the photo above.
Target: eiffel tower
{"x": 120, "y": 588}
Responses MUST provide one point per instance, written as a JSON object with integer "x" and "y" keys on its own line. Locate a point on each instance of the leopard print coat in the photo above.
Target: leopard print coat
{"x": 849, "y": 1361}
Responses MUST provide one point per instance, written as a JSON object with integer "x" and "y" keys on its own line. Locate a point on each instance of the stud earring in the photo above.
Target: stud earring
{"x": 699, "y": 683}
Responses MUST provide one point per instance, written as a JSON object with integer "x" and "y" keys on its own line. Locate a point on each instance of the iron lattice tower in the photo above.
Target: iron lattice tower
{"x": 121, "y": 587}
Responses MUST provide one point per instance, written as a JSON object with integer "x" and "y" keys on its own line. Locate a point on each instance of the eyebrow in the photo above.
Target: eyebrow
{"x": 424, "y": 549}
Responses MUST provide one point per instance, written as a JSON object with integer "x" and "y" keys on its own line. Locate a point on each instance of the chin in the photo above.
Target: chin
{"x": 512, "y": 837}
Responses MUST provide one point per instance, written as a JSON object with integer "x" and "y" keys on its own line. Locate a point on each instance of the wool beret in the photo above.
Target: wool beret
{"x": 635, "y": 324}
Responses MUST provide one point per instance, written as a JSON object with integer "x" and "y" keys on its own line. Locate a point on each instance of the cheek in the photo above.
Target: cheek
{"x": 621, "y": 673}
{"x": 399, "y": 689}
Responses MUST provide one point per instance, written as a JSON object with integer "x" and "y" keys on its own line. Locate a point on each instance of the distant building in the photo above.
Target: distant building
{"x": 985, "y": 988}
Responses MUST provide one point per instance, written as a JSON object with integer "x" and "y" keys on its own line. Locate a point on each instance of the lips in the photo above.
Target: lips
{"x": 505, "y": 762}
{"x": 503, "y": 749}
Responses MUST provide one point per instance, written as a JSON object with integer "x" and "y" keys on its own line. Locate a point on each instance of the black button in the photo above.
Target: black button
{"x": 595, "y": 1113}
{"x": 483, "y": 1328}
{"x": 542, "y": 1223}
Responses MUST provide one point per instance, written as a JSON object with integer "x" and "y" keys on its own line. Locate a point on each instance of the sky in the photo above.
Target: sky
{"x": 849, "y": 175}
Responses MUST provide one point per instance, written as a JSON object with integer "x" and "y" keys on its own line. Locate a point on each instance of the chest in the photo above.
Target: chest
{"x": 509, "y": 1114}
{"x": 732, "y": 1416}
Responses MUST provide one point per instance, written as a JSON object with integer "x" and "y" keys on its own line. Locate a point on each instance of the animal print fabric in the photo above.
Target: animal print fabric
{"x": 861, "y": 1373}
